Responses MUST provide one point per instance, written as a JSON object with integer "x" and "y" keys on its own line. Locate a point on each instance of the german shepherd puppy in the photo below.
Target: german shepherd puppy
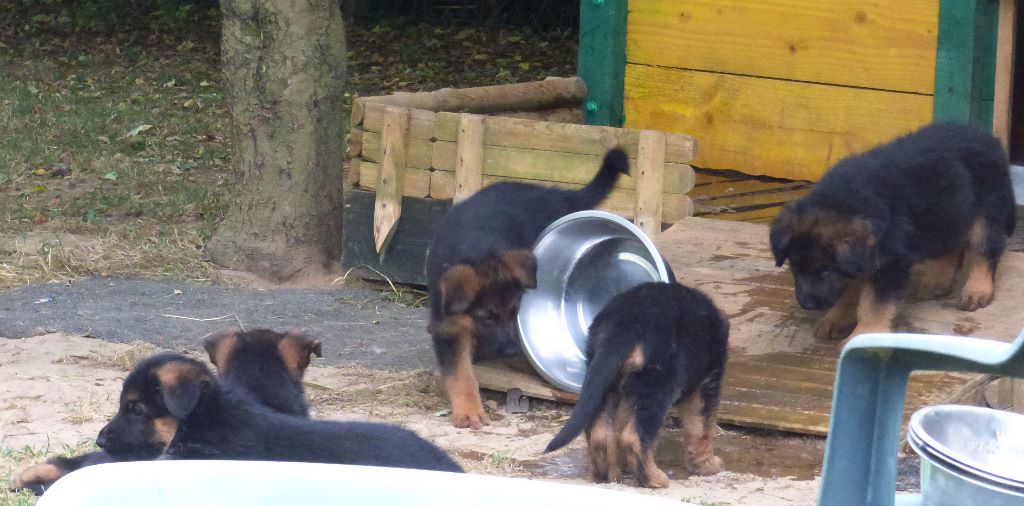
{"x": 478, "y": 266}
{"x": 173, "y": 401}
{"x": 266, "y": 365}
{"x": 938, "y": 199}
{"x": 652, "y": 347}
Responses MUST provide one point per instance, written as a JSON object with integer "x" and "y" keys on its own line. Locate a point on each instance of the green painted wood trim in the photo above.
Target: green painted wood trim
{"x": 602, "y": 59}
{"x": 965, "y": 61}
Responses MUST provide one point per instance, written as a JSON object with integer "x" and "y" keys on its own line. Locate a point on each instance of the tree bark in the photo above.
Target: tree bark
{"x": 284, "y": 68}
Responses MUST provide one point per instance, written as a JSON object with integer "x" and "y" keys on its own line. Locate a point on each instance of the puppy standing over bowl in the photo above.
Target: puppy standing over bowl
{"x": 939, "y": 198}
{"x": 478, "y": 266}
{"x": 175, "y": 401}
{"x": 266, "y": 365}
{"x": 650, "y": 347}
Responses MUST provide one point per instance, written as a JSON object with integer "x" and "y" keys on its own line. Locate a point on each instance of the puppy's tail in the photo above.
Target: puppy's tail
{"x": 601, "y": 373}
{"x": 615, "y": 162}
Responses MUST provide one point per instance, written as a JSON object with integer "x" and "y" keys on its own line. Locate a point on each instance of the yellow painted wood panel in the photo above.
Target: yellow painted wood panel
{"x": 766, "y": 126}
{"x": 882, "y": 45}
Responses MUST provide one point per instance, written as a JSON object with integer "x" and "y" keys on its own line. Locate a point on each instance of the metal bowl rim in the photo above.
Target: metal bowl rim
{"x": 634, "y": 231}
{"x": 953, "y": 457}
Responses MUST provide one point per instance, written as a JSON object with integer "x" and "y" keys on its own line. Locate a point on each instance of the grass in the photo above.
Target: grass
{"x": 115, "y": 156}
{"x": 11, "y": 460}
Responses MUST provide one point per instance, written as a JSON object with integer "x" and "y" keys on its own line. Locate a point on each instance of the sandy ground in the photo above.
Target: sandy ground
{"x": 56, "y": 391}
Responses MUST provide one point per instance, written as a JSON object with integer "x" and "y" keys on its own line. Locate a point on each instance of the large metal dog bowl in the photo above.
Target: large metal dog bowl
{"x": 969, "y": 455}
{"x": 583, "y": 260}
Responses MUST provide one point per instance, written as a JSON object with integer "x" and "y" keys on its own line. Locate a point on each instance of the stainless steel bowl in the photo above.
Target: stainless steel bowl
{"x": 969, "y": 455}
{"x": 583, "y": 260}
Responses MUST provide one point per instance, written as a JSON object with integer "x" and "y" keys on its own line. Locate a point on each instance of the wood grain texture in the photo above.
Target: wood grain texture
{"x": 388, "y": 205}
{"x": 879, "y": 45}
{"x": 563, "y": 137}
{"x": 769, "y": 127}
{"x": 1005, "y": 51}
{"x": 650, "y": 177}
{"x": 469, "y": 162}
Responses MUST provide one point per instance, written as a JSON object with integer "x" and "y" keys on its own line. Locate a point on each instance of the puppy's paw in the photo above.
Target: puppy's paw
{"x": 654, "y": 478}
{"x": 472, "y": 419}
{"x": 976, "y": 298}
{"x": 834, "y": 326}
{"x": 37, "y": 478}
{"x": 708, "y": 466}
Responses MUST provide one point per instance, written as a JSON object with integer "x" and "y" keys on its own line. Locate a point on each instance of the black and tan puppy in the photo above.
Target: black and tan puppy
{"x": 938, "y": 199}
{"x": 174, "y": 401}
{"x": 478, "y": 266}
{"x": 651, "y": 347}
{"x": 266, "y": 365}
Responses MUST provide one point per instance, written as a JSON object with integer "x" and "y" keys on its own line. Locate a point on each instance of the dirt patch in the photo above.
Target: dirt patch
{"x": 58, "y": 391}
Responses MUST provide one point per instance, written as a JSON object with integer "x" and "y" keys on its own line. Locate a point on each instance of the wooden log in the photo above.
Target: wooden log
{"x": 563, "y": 137}
{"x": 621, "y": 201}
{"x": 388, "y": 204}
{"x": 419, "y": 152}
{"x": 650, "y": 177}
{"x": 1005, "y": 51}
{"x": 355, "y": 142}
{"x": 560, "y": 115}
{"x": 469, "y": 164}
{"x": 416, "y": 182}
{"x": 546, "y": 94}
{"x": 554, "y": 166}
{"x": 358, "y": 110}
{"x": 353, "y": 174}
{"x": 1006, "y": 394}
{"x": 421, "y": 123}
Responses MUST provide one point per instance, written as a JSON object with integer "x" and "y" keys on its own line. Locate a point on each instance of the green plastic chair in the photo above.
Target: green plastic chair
{"x": 867, "y": 407}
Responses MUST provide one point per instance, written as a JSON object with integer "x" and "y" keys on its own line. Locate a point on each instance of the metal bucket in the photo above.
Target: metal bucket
{"x": 969, "y": 455}
{"x": 583, "y": 260}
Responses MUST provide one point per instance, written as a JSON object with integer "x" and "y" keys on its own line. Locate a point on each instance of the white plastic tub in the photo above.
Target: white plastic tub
{"x": 212, "y": 482}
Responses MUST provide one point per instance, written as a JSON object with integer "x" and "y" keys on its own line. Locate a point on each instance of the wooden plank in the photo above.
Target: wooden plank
{"x": 418, "y": 152}
{"x": 499, "y": 377}
{"x": 388, "y": 204}
{"x": 421, "y": 123}
{"x": 650, "y": 177}
{"x": 416, "y": 181}
{"x": 735, "y": 188}
{"x": 558, "y": 167}
{"x": 469, "y": 163}
{"x": 551, "y": 93}
{"x": 621, "y": 201}
{"x": 879, "y": 45}
{"x": 407, "y": 254}
{"x": 759, "y": 215}
{"x": 762, "y": 126}
{"x": 740, "y": 202}
{"x": 774, "y": 418}
{"x": 564, "y": 137}
{"x": 602, "y": 57}
{"x": 1005, "y": 52}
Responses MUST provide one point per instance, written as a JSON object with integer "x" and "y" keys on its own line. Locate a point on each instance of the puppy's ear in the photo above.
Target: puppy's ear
{"x": 781, "y": 234}
{"x": 855, "y": 249}
{"x": 219, "y": 345}
{"x": 459, "y": 288}
{"x": 182, "y": 384}
{"x": 523, "y": 265}
{"x": 296, "y": 349}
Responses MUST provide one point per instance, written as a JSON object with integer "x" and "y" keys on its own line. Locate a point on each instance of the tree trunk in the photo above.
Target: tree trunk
{"x": 284, "y": 67}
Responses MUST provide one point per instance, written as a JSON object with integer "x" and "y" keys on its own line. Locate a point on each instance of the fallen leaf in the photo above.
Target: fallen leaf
{"x": 111, "y": 176}
{"x": 138, "y": 130}
{"x": 40, "y": 219}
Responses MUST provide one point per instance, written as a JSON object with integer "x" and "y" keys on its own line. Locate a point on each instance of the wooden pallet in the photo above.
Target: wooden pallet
{"x": 734, "y": 196}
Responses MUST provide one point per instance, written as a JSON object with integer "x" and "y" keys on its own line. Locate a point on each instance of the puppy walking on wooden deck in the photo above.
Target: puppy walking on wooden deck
{"x": 478, "y": 266}
{"x": 652, "y": 347}
{"x": 266, "y": 365}
{"x": 175, "y": 401}
{"x": 939, "y": 199}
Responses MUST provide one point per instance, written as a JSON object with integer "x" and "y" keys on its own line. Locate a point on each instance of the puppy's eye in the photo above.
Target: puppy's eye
{"x": 136, "y": 409}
